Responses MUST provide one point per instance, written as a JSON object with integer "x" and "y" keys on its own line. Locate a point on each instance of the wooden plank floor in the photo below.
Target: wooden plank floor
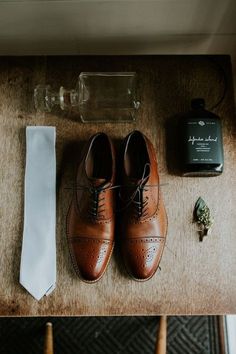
{"x": 195, "y": 278}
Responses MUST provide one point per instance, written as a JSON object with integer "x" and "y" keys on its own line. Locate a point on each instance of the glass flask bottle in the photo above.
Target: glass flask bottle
{"x": 98, "y": 97}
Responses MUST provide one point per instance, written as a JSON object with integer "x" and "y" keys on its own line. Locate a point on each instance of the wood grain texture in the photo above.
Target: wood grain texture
{"x": 195, "y": 278}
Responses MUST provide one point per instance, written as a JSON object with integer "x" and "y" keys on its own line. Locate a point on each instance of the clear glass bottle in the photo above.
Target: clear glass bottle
{"x": 98, "y": 97}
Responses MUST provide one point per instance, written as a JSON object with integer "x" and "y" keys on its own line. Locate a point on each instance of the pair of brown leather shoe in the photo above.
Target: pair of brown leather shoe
{"x": 141, "y": 220}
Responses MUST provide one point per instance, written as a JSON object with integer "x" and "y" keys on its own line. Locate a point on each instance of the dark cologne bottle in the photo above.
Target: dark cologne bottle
{"x": 202, "y": 148}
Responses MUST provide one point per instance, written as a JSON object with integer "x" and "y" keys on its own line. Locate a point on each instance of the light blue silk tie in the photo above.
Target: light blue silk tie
{"x": 38, "y": 258}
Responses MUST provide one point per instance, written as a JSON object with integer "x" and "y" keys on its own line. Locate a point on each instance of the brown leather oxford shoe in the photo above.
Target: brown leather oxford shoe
{"x": 90, "y": 219}
{"x": 143, "y": 222}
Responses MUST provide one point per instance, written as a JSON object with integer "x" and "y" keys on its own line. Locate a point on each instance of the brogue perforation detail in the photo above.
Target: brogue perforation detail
{"x": 147, "y": 255}
{"x": 155, "y": 239}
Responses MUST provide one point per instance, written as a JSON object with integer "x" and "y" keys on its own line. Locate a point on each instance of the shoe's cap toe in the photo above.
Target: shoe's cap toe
{"x": 142, "y": 256}
{"x": 90, "y": 257}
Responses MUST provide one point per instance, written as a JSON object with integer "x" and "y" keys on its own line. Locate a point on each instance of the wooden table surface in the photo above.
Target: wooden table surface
{"x": 195, "y": 278}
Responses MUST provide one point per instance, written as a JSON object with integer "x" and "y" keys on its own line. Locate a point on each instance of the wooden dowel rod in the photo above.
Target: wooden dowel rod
{"x": 161, "y": 336}
{"x": 48, "y": 344}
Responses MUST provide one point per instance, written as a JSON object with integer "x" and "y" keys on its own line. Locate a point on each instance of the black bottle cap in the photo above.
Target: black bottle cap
{"x": 198, "y": 103}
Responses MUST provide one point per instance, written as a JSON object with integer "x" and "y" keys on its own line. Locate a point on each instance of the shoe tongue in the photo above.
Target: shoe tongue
{"x": 143, "y": 179}
{"x": 97, "y": 182}
{"x": 137, "y": 181}
{"x": 134, "y": 181}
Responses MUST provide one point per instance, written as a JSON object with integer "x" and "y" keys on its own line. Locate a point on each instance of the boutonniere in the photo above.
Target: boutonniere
{"x": 203, "y": 217}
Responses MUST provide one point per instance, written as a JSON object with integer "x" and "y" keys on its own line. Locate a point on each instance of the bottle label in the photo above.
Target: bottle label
{"x": 203, "y": 141}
